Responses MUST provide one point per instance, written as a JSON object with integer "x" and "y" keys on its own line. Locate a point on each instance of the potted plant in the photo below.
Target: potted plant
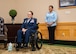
{"x": 13, "y": 14}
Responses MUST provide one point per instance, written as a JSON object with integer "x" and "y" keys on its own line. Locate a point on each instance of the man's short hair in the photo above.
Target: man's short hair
{"x": 31, "y": 12}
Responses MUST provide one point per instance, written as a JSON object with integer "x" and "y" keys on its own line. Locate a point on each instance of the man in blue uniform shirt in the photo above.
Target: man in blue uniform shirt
{"x": 27, "y": 28}
{"x": 51, "y": 21}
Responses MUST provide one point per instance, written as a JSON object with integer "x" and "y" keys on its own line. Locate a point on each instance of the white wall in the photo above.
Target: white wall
{"x": 39, "y": 7}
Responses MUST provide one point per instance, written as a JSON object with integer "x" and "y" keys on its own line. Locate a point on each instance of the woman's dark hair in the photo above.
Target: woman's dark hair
{"x": 51, "y": 6}
{"x": 31, "y": 12}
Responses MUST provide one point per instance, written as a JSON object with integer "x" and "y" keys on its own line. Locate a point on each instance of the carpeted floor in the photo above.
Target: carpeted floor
{"x": 46, "y": 49}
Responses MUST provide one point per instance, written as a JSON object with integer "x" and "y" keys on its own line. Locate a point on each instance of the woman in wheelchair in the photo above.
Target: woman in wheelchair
{"x": 28, "y": 26}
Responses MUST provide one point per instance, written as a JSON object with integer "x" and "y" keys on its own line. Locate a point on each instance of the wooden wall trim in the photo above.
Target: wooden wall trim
{"x": 61, "y": 23}
{"x": 66, "y": 23}
{"x": 64, "y": 31}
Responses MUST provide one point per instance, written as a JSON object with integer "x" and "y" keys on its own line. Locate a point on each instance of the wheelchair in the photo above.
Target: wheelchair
{"x": 35, "y": 39}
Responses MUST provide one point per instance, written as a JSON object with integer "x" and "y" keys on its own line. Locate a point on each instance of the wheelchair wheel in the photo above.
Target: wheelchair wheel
{"x": 39, "y": 42}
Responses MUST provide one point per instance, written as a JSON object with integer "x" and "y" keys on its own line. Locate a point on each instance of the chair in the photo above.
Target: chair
{"x": 3, "y": 32}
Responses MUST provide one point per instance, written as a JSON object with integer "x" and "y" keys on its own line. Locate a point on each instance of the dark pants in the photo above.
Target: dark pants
{"x": 51, "y": 33}
{"x": 26, "y": 35}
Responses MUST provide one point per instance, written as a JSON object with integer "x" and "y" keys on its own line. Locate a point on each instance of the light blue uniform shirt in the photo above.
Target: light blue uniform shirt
{"x": 51, "y": 17}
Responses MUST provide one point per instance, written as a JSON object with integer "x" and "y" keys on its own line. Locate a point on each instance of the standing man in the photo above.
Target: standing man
{"x": 51, "y": 18}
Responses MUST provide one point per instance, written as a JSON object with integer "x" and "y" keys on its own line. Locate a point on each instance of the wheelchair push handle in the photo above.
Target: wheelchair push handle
{"x": 38, "y": 23}
{"x": 37, "y": 26}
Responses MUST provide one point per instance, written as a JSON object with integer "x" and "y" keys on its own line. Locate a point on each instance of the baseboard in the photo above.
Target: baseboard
{"x": 56, "y": 42}
{"x": 61, "y": 42}
{"x": 65, "y": 42}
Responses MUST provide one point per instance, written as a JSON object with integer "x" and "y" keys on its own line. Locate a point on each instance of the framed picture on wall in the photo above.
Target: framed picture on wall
{"x": 67, "y": 3}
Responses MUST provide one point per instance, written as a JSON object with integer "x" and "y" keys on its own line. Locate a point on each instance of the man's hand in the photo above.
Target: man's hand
{"x": 24, "y": 30}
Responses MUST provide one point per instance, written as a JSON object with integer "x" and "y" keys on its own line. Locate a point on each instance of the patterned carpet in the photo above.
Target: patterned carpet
{"x": 46, "y": 49}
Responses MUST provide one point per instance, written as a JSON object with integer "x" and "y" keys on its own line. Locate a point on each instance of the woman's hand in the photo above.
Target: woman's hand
{"x": 49, "y": 24}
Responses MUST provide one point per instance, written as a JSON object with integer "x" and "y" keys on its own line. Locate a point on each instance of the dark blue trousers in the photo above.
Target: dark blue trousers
{"x": 27, "y": 35}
